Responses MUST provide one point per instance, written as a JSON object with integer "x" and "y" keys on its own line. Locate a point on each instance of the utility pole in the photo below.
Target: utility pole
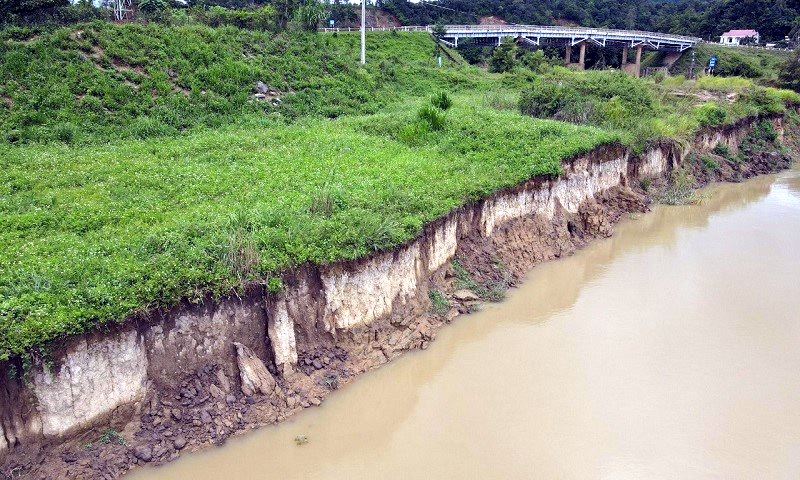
{"x": 363, "y": 32}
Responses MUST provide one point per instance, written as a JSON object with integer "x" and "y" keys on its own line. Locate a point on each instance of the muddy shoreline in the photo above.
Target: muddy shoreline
{"x": 153, "y": 388}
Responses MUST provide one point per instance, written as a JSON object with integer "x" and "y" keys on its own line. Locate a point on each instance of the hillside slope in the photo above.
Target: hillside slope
{"x": 100, "y": 81}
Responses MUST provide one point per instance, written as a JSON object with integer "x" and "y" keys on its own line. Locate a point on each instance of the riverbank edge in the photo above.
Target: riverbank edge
{"x": 151, "y": 388}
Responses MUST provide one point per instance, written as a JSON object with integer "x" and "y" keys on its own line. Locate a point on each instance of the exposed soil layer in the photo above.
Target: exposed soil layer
{"x": 221, "y": 368}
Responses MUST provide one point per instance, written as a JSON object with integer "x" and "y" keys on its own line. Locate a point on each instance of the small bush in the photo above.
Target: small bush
{"x": 722, "y": 150}
{"x": 414, "y": 133}
{"x": 504, "y": 58}
{"x": 463, "y": 277}
{"x": 738, "y": 66}
{"x": 65, "y": 132}
{"x": 432, "y": 116}
{"x": 502, "y": 100}
{"x": 146, "y": 127}
{"x": 242, "y": 256}
{"x": 709, "y": 163}
{"x": 711, "y": 114}
{"x": 442, "y": 101}
{"x": 535, "y": 61}
{"x": 645, "y": 183}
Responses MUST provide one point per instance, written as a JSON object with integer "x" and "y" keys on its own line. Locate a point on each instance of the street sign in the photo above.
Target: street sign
{"x": 712, "y": 62}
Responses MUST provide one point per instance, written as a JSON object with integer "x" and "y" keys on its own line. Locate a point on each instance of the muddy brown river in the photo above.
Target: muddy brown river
{"x": 669, "y": 351}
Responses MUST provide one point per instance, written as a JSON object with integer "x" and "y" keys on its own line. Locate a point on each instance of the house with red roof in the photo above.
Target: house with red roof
{"x": 736, "y": 37}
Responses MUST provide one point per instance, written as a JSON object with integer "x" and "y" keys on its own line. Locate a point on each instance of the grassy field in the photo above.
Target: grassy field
{"x": 176, "y": 184}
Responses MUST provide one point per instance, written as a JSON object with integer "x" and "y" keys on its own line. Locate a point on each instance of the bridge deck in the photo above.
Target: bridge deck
{"x": 541, "y": 35}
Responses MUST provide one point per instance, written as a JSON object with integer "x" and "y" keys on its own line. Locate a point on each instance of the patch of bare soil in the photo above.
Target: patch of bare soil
{"x": 491, "y": 20}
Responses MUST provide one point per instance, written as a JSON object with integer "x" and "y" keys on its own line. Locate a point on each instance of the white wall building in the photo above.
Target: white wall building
{"x": 735, "y": 37}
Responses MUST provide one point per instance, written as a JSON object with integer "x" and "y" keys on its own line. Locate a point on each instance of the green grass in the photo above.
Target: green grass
{"x": 100, "y": 81}
{"x": 136, "y": 171}
{"x": 93, "y": 234}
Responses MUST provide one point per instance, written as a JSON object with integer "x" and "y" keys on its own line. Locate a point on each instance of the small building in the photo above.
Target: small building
{"x": 736, "y": 37}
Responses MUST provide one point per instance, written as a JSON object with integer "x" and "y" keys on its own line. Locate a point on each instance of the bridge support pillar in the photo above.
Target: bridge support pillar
{"x": 582, "y": 56}
{"x": 624, "y": 56}
{"x": 639, "y": 60}
{"x": 568, "y": 56}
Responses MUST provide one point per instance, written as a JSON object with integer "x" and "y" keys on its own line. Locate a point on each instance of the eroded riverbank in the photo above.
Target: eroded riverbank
{"x": 200, "y": 374}
{"x": 666, "y": 351}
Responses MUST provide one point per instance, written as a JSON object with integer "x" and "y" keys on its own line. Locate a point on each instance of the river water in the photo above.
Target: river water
{"x": 669, "y": 351}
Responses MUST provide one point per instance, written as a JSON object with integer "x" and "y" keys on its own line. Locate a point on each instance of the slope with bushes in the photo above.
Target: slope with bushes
{"x": 100, "y": 81}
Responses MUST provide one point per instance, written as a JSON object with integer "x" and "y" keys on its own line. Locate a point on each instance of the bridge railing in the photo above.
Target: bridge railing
{"x": 577, "y": 31}
{"x": 532, "y": 29}
{"x": 377, "y": 29}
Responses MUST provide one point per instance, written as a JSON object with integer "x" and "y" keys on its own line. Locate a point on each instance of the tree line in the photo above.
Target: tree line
{"x": 774, "y": 19}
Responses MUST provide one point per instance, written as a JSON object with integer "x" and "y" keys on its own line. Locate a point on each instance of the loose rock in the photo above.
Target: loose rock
{"x": 143, "y": 453}
{"x": 465, "y": 295}
{"x": 179, "y": 442}
{"x": 255, "y": 376}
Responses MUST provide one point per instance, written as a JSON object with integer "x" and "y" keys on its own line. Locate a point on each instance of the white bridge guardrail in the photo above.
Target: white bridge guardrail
{"x": 601, "y": 36}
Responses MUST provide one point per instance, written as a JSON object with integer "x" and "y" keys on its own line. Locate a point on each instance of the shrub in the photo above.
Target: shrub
{"x": 722, "y": 150}
{"x": 762, "y": 99}
{"x": 545, "y": 99}
{"x": 434, "y": 117}
{"x": 441, "y": 100}
{"x": 709, "y": 163}
{"x": 738, "y": 66}
{"x": 710, "y": 114}
{"x": 472, "y": 53}
{"x": 112, "y": 436}
{"x": 261, "y": 18}
{"x": 504, "y": 58}
{"x": 789, "y": 75}
{"x": 65, "y": 132}
{"x": 534, "y": 60}
{"x": 152, "y": 8}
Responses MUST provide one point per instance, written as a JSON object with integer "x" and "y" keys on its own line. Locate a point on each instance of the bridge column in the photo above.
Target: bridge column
{"x": 624, "y": 56}
{"x": 582, "y": 56}
{"x": 639, "y": 60}
{"x": 568, "y": 56}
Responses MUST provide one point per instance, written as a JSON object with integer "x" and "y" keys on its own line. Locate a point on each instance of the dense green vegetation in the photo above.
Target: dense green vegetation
{"x": 762, "y": 65}
{"x": 702, "y": 18}
{"x": 138, "y": 168}
{"x": 101, "y": 80}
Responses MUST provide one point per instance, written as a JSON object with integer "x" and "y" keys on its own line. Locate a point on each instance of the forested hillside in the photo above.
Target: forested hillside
{"x": 774, "y": 19}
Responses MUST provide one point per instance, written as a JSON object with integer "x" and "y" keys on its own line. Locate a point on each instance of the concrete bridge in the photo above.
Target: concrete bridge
{"x": 567, "y": 37}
